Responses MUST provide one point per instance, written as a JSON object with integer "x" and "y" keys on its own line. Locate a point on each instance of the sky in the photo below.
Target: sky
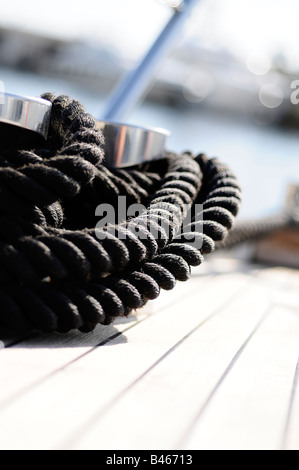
{"x": 244, "y": 27}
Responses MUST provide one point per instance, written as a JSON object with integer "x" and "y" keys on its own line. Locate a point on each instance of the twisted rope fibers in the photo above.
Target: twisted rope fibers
{"x": 255, "y": 229}
{"x": 56, "y": 272}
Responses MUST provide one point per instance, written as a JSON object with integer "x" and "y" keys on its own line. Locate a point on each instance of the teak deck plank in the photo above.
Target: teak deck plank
{"x": 162, "y": 405}
{"x": 249, "y": 409}
{"x": 180, "y": 373}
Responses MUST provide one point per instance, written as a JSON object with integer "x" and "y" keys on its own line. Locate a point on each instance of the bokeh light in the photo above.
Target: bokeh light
{"x": 258, "y": 64}
{"x": 271, "y": 95}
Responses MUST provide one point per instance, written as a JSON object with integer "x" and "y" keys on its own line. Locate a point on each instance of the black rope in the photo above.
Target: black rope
{"x": 57, "y": 270}
{"x": 256, "y": 229}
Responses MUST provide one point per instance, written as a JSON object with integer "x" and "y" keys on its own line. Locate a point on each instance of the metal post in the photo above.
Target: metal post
{"x": 135, "y": 85}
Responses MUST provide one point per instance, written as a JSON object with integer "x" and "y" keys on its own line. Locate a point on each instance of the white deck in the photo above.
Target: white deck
{"x": 212, "y": 364}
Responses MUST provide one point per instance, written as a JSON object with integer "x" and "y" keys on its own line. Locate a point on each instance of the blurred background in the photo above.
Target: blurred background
{"x": 225, "y": 89}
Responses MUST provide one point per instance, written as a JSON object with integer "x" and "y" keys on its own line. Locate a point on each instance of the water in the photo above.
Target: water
{"x": 265, "y": 159}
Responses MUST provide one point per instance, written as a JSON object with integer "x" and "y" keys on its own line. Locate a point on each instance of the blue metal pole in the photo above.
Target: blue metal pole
{"x": 135, "y": 85}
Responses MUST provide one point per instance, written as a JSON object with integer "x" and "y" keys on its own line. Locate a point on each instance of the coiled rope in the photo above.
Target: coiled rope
{"x": 57, "y": 271}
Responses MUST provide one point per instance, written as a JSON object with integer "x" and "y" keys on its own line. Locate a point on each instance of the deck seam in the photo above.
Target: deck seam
{"x": 290, "y": 408}
{"x": 226, "y": 372}
{"x": 71, "y": 442}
